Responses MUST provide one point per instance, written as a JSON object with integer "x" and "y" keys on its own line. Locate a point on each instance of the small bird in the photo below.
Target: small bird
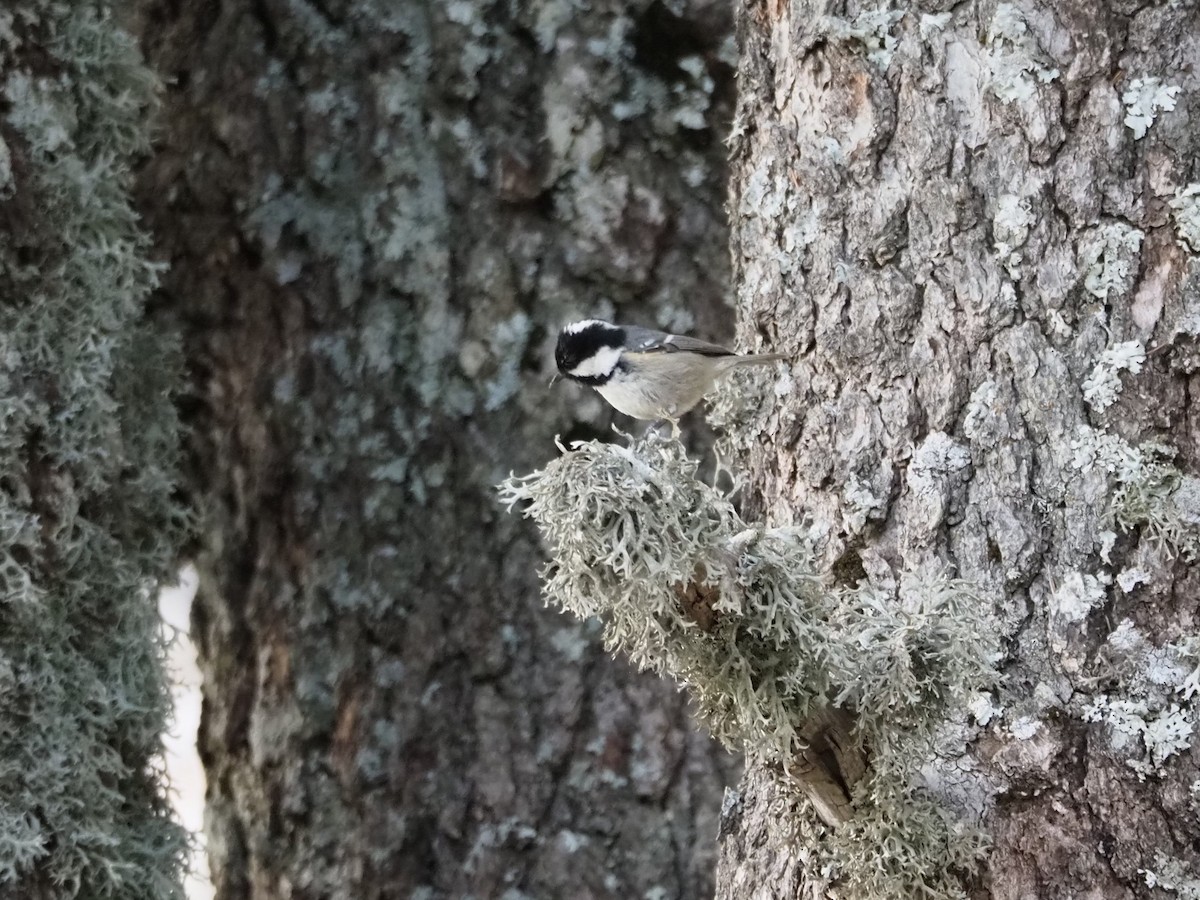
{"x": 643, "y": 373}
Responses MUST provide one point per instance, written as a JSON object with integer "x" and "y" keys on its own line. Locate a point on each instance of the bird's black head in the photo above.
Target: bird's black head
{"x": 588, "y": 351}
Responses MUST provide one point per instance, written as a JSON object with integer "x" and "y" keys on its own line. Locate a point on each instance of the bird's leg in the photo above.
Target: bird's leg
{"x": 656, "y": 426}
{"x": 671, "y": 415}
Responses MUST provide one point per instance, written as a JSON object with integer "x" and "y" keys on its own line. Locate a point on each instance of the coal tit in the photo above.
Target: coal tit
{"x": 643, "y": 373}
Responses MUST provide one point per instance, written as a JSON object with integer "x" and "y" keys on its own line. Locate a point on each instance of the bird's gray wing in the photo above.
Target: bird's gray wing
{"x": 646, "y": 340}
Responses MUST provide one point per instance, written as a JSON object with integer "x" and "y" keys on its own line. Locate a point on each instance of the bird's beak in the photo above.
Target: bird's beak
{"x": 557, "y": 375}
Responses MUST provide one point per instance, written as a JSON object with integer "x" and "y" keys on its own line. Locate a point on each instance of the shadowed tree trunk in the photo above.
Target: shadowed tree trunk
{"x": 975, "y": 225}
{"x": 377, "y": 215}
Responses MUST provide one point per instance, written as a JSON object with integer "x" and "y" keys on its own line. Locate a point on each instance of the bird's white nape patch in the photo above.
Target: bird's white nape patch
{"x": 602, "y": 362}
{"x": 576, "y": 327}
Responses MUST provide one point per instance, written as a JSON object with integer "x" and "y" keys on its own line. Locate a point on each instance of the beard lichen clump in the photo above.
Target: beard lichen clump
{"x": 683, "y": 586}
{"x": 89, "y": 464}
{"x": 782, "y": 665}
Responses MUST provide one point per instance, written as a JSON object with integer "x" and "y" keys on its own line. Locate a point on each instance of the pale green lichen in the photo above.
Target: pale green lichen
{"x": 872, "y": 29}
{"x": 1155, "y": 715}
{"x": 917, "y": 849}
{"x": 694, "y": 94}
{"x": 860, "y": 505}
{"x": 474, "y": 42}
{"x": 665, "y": 104}
{"x": 1107, "y": 257}
{"x": 1010, "y": 228}
{"x": 1163, "y": 733}
{"x": 1174, "y": 875}
{"x": 1144, "y": 99}
{"x": 1165, "y": 503}
{"x": 984, "y": 709}
{"x": 1185, "y": 209}
{"x": 1014, "y": 72}
{"x": 1150, "y": 493}
{"x": 1076, "y": 596}
{"x": 1129, "y": 579}
{"x": 1101, "y": 388}
{"x": 736, "y": 613}
{"x": 88, "y": 452}
{"x": 550, "y": 17}
{"x": 932, "y": 23}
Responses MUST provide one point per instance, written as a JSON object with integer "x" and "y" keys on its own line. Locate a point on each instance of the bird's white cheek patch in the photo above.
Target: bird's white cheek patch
{"x": 602, "y": 362}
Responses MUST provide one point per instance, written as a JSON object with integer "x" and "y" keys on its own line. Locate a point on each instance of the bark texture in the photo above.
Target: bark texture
{"x": 949, "y": 214}
{"x": 377, "y": 215}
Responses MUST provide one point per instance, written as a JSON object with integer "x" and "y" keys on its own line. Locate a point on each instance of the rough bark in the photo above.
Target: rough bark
{"x": 376, "y": 217}
{"x": 934, "y": 210}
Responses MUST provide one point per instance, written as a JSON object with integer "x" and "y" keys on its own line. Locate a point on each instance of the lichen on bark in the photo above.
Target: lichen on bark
{"x": 88, "y": 468}
{"x": 950, "y": 239}
{"x": 843, "y": 692}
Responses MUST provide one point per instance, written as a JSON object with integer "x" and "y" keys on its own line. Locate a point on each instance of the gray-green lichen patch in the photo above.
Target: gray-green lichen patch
{"x": 1155, "y": 714}
{"x": 872, "y": 29}
{"x": 738, "y": 614}
{"x": 1108, "y": 257}
{"x": 1171, "y": 874}
{"x": 1149, "y": 492}
{"x": 1144, "y": 99}
{"x": 88, "y": 454}
{"x": 1014, "y": 67}
{"x": 1102, "y": 386}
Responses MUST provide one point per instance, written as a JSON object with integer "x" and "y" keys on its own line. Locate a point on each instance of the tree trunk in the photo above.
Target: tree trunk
{"x": 89, "y": 439}
{"x": 377, "y": 215}
{"x": 975, "y": 230}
